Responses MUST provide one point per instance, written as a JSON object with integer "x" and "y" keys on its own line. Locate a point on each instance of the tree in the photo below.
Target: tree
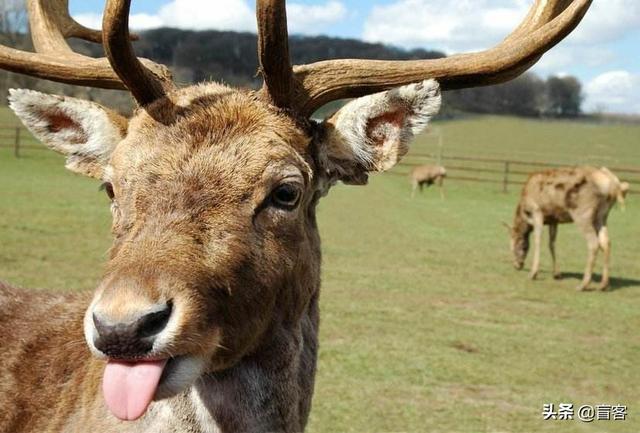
{"x": 564, "y": 96}
{"x": 523, "y": 96}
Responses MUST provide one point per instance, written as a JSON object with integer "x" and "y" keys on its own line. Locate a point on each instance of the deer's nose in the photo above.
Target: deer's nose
{"x": 133, "y": 338}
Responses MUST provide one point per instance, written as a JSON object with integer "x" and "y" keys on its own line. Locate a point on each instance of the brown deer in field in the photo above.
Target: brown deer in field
{"x": 427, "y": 175}
{"x": 206, "y": 319}
{"x": 581, "y": 195}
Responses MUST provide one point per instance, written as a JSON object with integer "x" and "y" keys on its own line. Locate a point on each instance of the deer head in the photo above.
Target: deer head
{"x": 519, "y": 234}
{"x": 213, "y": 190}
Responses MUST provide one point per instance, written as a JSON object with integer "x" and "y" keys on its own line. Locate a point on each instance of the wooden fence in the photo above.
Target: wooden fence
{"x": 497, "y": 171}
{"x": 18, "y": 138}
{"x": 500, "y": 172}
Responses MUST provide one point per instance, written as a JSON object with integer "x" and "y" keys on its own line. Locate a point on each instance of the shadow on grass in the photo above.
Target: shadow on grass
{"x": 615, "y": 283}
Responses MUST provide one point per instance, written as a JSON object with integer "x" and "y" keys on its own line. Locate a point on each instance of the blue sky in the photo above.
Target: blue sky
{"x": 603, "y": 52}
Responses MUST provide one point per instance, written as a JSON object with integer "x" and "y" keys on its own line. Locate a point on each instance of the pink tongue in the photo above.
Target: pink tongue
{"x": 129, "y": 387}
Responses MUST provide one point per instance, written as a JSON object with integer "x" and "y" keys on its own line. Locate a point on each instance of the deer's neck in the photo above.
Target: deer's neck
{"x": 521, "y": 227}
{"x": 269, "y": 391}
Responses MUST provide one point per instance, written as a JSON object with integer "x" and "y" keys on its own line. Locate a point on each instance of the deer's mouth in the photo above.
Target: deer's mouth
{"x": 129, "y": 387}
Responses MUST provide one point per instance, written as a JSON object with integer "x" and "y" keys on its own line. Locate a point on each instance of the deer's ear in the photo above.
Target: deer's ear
{"x": 373, "y": 133}
{"x": 83, "y": 131}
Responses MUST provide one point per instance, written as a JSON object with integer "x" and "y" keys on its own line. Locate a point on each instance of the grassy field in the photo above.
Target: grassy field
{"x": 426, "y": 327}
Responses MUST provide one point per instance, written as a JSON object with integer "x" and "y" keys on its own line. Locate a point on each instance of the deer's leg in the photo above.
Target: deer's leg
{"x": 414, "y": 186}
{"x": 441, "y": 186}
{"x": 538, "y": 222}
{"x": 553, "y": 233}
{"x": 605, "y": 245}
{"x": 593, "y": 244}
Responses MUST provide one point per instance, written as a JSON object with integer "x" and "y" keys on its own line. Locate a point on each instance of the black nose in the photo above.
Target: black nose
{"x": 134, "y": 338}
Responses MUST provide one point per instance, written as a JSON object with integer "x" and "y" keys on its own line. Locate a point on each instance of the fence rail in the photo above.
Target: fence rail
{"x": 634, "y": 170}
{"x": 500, "y": 171}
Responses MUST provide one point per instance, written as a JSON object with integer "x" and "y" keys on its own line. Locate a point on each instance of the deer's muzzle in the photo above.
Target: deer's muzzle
{"x": 132, "y": 338}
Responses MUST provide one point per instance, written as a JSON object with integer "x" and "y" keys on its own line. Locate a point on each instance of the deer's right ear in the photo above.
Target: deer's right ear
{"x": 84, "y": 131}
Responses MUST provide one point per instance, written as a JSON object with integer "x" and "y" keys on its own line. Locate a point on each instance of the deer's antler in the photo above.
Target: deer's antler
{"x": 313, "y": 85}
{"x": 54, "y": 60}
{"x": 273, "y": 52}
{"x": 145, "y": 84}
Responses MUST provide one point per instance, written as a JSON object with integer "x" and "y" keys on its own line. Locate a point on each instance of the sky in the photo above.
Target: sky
{"x": 603, "y": 52}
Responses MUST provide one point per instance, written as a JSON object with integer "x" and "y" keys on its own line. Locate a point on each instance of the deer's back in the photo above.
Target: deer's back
{"x": 559, "y": 193}
{"x": 427, "y": 172}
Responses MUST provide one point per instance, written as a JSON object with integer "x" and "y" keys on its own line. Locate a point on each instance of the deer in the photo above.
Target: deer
{"x": 206, "y": 318}
{"x": 580, "y": 195}
{"x": 427, "y": 175}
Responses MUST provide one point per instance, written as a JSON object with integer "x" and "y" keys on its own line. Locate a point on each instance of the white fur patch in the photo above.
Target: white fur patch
{"x": 183, "y": 372}
{"x": 90, "y": 330}
{"x": 380, "y": 147}
{"x": 203, "y": 416}
{"x": 86, "y": 134}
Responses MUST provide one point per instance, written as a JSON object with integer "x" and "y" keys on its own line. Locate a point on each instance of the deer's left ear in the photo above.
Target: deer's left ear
{"x": 372, "y": 133}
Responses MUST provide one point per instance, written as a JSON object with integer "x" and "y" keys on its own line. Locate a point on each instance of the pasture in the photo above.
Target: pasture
{"x": 426, "y": 326}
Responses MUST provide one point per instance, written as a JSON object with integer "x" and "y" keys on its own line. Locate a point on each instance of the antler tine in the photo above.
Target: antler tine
{"x": 548, "y": 22}
{"x": 54, "y": 60}
{"x": 273, "y": 52}
{"x": 57, "y": 11}
{"x": 539, "y": 14}
{"x": 145, "y": 85}
{"x": 51, "y": 24}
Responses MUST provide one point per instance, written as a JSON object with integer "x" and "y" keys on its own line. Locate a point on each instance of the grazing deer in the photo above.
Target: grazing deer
{"x": 582, "y": 195}
{"x": 427, "y": 175}
{"x": 206, "y": 319}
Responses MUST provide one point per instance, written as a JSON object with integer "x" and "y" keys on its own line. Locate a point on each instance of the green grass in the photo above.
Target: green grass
{"x": 426, "y": 327}
{"x": 537, "y": 140}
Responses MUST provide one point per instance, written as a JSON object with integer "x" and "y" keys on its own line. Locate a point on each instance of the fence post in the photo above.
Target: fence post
{"x": 440, "y": 146}
{"x": 16, "y": 147}
{"x": 505, "y": 180}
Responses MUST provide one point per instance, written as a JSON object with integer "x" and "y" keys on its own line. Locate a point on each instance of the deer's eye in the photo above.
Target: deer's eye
{"x": 108, "y": 188}
{"x": 286, "y": 196}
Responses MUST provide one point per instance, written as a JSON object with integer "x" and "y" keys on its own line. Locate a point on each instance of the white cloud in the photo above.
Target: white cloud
{"x": 206, "y": 14}
{"x": 613, "y": 91}
{"x": 606, "y": 21}
{"x": 468, "y": 25}
{"x": 228, "y": 15}
{"x": 464, "y": 25}
{"x": 93, "y": 21}
{"x": 567, "y": 55}
{"x": 310, "y": 19}
{"x": 136, "y": 21}
{"x": 590, "y": 44}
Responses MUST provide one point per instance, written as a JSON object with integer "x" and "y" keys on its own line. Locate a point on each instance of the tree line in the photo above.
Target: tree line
{"x": 528, "y": 95}
{"x": 230, "y": 57}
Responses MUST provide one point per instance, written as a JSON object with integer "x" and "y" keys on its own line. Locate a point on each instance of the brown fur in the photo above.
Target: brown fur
{"x": 582, "y": 195}
{"x": 427, "y": 175}
{"x": 195, "y": 225}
